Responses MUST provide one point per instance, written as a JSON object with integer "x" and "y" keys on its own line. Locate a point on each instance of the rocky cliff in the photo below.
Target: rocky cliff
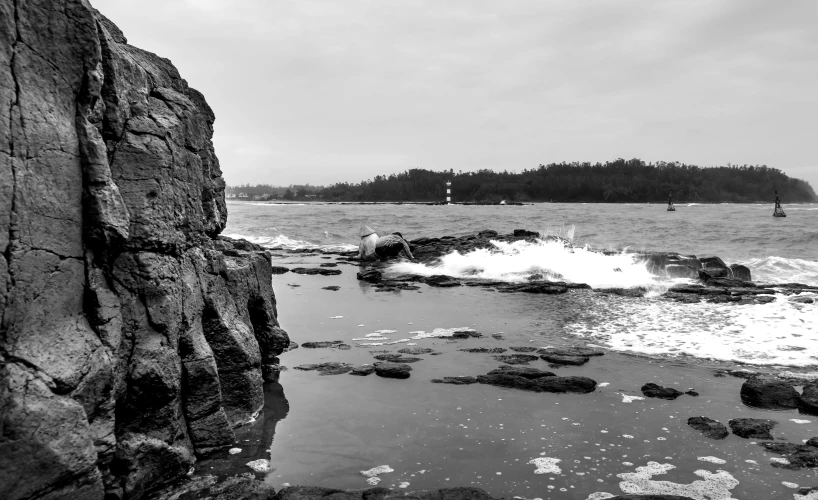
{"x": 132, "y": 337}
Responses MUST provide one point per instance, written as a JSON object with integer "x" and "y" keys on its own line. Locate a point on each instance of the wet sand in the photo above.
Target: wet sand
{"x": 326, "y": 429}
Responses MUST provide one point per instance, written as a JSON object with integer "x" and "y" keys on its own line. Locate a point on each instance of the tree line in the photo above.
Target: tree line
{"x": 614, "y": 181}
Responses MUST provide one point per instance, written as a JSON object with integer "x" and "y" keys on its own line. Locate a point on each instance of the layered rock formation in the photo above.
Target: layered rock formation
{"x": 132, "y": 337}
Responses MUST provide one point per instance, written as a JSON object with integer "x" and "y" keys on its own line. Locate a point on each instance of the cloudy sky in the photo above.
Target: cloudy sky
{"x": 309, "y": 91}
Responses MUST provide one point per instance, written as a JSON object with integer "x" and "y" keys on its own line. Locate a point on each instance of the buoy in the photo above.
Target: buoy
{"x": 778, "y": 211}
{"x": 671, "y": 208}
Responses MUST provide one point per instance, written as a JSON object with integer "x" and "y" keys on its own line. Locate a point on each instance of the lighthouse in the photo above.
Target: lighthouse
{"x": 448, "y": 192}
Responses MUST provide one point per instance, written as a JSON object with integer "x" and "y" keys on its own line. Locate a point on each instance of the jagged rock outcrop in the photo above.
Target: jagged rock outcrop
{"x": 131, "y": 335}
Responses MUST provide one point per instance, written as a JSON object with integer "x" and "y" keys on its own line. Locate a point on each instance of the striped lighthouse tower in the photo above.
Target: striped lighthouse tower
{"x": 448, "y": 192}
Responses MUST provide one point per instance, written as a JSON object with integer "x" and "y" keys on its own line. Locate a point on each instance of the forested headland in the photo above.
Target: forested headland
{"x": 614, "y": 182}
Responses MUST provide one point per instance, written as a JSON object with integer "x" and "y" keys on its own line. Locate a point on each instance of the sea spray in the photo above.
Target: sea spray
{"x": 553, "y": 260}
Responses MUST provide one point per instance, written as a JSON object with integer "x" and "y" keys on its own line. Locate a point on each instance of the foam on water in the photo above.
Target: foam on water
{"x": 712, "y": 486}
{"x": 546, "y": 465}
{"x": 514, "y": 262}
{"x": 778, "y": 333}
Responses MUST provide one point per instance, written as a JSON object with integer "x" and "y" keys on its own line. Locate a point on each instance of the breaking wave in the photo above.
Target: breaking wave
{"x": 552, "y": 260}
{"x": 286, "y": 243}
{"x": 781, "y": 270}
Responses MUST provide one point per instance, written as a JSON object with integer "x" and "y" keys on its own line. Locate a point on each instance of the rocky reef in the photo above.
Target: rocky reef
{"x": 132, "y": 336}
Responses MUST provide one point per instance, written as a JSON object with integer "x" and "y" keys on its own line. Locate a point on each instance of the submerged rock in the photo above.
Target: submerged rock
{"x": 335, "y": 344}
{"x": 516, "y": 359}
{"x": 521, "y": 371}
{"x": 388, "y": 369}
{"x": 415, "y": 350}
{"x": 523, "y": 348}
{"x": 328, "y": 368}
{"x": 558, "y": 359}
{"x": 488, "y": 350}
{"x": 755, "y": 428}
{"x": 370, "y": 276}
{"x": 461, "y": 380}
{"x": 799, "y": 456}
{"x": 710, "y": 428}
{"x": 397, "y": 358}
{"x": 333, "y": 288}
{"x": 652, "y": 390}
{"x": 363, "y": 370}
{"x": 572, "y": 351}
{"x": 441, "y": 281}
{"x": 579, "y": 385}
{"x": 279, "y": 269}
{"x": 769, "y": 393}
{"x": 315, "y": 270}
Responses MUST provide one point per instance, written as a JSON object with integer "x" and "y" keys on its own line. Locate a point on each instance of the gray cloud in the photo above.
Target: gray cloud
{"x": 325, "y": 91}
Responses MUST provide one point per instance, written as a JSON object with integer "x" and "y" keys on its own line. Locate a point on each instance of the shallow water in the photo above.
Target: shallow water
{"x": 324, "y": 430}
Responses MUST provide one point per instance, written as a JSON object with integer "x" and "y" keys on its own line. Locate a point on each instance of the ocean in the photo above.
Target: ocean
{"x": 325, "y": 430}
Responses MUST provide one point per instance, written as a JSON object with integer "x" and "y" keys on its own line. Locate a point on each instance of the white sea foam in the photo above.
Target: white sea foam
{"x": 712, "y": 486}
{"x": 439, "y": 333}
{"x": 802, "y": 376}
{"x": 713, "y": 460}
{"x": 260, "y": 465}
{"x": 516, "y": 261}
{"x": 778, "y": 333}
{"x": 286, "y": 243}
{"x": 783, "y": 270}
{"x": 546, "y": 465}
{"x": 377, "y": 471}
{"x": 629, "y": 399}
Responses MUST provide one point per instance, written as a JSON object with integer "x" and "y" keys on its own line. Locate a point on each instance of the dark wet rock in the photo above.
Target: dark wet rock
{"x": 754, "y": 428}
{"x": 516, "y": 359}
{"x": 311, "y": 271}
{"x": 317, "y": 493}
{"x": 415, "y": 350}
{"x": 497, "y": 336}
{"x": 744, "y": 373}
{"x": 291, "y": 346}
{"x": 741, "y": 272}
{"x": 540, "y": 288}
{"x": 769, "y": 393}
{"x": 525, "y": 233}
{"x": 486, "y": 350}
{"x": 392, "y": 370}
{"x": 712, "y": 262}
{"x": 681, "y": 271}
{"x": 279, "y": 269}
{"x": 336, "y": 344}
{"x": 328, "y": 368}
{"x": 487, "y": 233}
{"x": 808, "y": 401}
{"x": 466, "y": 334}
{"x": 800, "y": 456}
{"x": 293, "y": 285}
{"x": 558, "y": 359}
{"x": 652, "y": 390}
{"x": 242, "y": 487}
{"x": 521, "y": 371}
{"x": 328, "y": 264}
{"x": 736, "y": 283}
{"x": 580, "y": 385}
{"x": 710, "y": 428}
{"x": 370, "y": 276}
{"x": 707, "y": 274}
{"x": 691, "y": 392}
{"x": 812, "y": 441}
{"x": 525, "y": 348}
{"x": 397, "y": 358}
{"x": 442, "y": 281}
{"x": 462, "y": 380}
{"x": 802, "y": 300}
{"x": 270, "y": 372}
{"x": 332, "y": 288}
{"x": 572, "y": 351}
{"x": 363, "y": 370}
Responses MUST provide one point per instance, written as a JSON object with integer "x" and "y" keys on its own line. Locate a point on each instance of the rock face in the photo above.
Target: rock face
{"x": 769, "y": 393}
{"x": 131, "y": 335}
{"x": 808, "y": 402}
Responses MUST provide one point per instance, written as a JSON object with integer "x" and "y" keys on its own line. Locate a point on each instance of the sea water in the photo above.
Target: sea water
{"x": 325, "y": 430}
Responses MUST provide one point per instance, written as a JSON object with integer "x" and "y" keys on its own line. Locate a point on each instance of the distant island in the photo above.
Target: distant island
{"x": 617, "y": 181}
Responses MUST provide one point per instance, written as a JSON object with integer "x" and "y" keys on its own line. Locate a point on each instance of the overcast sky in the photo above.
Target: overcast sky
{"x": 317, "y": 92}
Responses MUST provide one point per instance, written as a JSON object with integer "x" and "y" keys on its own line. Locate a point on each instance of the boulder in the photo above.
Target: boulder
{"x": 397, "y": 358}
{"x": 328, "y": 368}
{"x": 524, "y": 233}
{"x": 754, "y": 428}
{"x": 741, "y": 272}
{"x": 652, "y": 390}
{"x": 415, "y": 350}
{"x": 388, "y": 369}
{"x": 808, "y": 401}
{"x": 708, "y": 273}
{"x": 332, "y": 288}
{"x": 579, "y": 385}
{"x": 279, "y": 269}
{"x": 441, "y": 281}
{"x": 680, "y": 271}
{"x": 488, "y": 350}
{"x": 769, "y": 393}
{"x": 572, "y": 351}
{"x": 521, "y": 371}
{"x": 311, "y": 271}
{"x": 710, "y": 428}
{"x": 526, "y": 348}
{"x": 323, "y": 344}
